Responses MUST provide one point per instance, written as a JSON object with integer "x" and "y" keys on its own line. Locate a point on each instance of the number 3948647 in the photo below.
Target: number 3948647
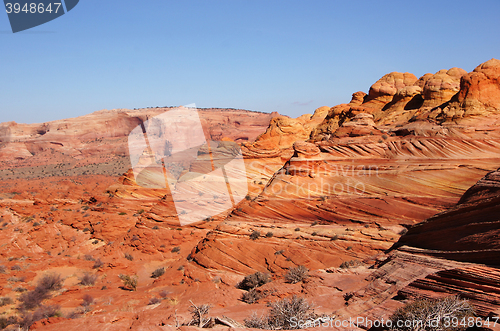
{"x": 33, "y": 8}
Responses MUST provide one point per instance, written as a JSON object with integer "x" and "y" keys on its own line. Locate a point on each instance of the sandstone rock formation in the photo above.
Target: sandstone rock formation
{"x": 469, "y": 231}
{"x": 334, "y": 191}
{"x": 384, "y": 90}
{"x": 283, "y": 132}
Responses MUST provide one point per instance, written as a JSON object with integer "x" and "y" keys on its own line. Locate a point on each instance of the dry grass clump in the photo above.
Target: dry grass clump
{"x": 88, "y": 279}
{"x": 425, "y": 314}
{"x": 254, "y": 280}
{"x": 350, "y": 264}
{"x": 129, "y": 282}
{"x": 297, "y": 274}
{"x": 283, "y": 315}
{"x": 158, "y": 273}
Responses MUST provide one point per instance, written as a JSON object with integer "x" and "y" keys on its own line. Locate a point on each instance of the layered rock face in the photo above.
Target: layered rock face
{"x": 469, "y": 231}
{"x": 101, "y": 138}
{"x": 378, "y": 159}
{"x": 333, "y": 191}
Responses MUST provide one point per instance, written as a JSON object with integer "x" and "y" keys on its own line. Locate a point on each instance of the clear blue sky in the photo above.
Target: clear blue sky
{"x": 286, "y": 56}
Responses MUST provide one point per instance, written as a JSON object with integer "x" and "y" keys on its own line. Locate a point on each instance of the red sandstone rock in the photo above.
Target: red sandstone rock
{"x": 334, "y": 187}
{"x": 383, "y": 91}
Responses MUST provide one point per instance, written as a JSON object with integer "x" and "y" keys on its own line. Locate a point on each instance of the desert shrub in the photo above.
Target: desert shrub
{"x": 155, "y": 227}
{"x": 15, "y": 267}
{"x": 86, "y": 230}
{"x": 280, "y": 252}
{"x": 297, "y": 229}
{"x": 403, "y": 232}
{"x": 50, "y": 282}
{"x": 129, "y": 282}
{"x": 163, "y": 294}
{"x": 129, "y": 257}
{"x": 432, "y": 314}
{"x": 335, "y": 237}
{"x": 140, "y": 211}
{"x": 257, "y": 322}
{"x": 176, "y": 249}
{"x": 2, "y": 269}
{"x": 254, "y": 280}
{"x": 269, "y": 234}
{"x": 154, "y": 301}
{"x": 6, "y": 321}
{"x": 283, "y": 315}
{"x": 86, "y": 304}
{"x": 251, "y": 296}
{"x": 15, "y": 279}
{"x": 97, "y": 264}
{"x": 297, "y": 274}
{"x": 88, "y": 257}
{"x": 27, "y": 319}
{"x": 158, "y": 273}
{"x": 4, "y": 301}
{"x": 350, "y": 264}
{"x": 314, "y": 233}
{"x": 87, "y": 300}
{"x": 122, "y": 213}
{"x": 255, "y": 235}
{"x": 74, "y": 314}
{"x": 88, "y": 279}
{"x": 198, "y": 314}
{"x": 32, "y": 299}
{"x": 347, "y": 296}
{"x": 19, "y": 289}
